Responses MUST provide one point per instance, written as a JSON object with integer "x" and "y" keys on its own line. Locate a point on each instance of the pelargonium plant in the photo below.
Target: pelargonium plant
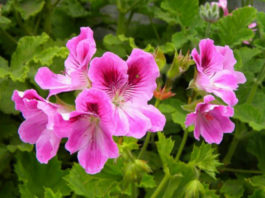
{"x": 113, "y": 101}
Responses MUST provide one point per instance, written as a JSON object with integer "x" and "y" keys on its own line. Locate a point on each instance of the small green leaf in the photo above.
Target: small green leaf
{"x": 164, "y": 147}
{"x": 258, "y": 193}
{"x": 179, "y": 39}
{"x": 50, "y": 194}
{"x": 257, "y": 181}
{"x": 4, "y": 69}
{"x": 4, "y": 22}
{"x": 147, "y": 181}
{"x": 232, "y": 189}
{"x": 205, "y": 158}
{"x": 99, "y": 185}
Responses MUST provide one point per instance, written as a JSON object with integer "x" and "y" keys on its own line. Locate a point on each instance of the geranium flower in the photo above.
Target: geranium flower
{"x": 216, "y": 74}
{"x": 39, "y": 126}
{"x": 130, "y": 85}
{"x": 211, "y": 121}
{"x": 89, "y": 130}
{"x": 82, "y": 48}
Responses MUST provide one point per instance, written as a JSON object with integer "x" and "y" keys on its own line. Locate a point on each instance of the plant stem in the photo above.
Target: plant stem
{"x": 7, "y": 35}
{"x": 134, "y": 190}
{"x": 208, "y": 29}
{"x": 148, "y": 136}
{"x": 161, "y": 185}
{"x": 121, "y": 28}
{"x": 231, "y": 150}
{"x": 182, "y": 144}
{"x": 241, "y": 170}
{"x": 146, "y": 142}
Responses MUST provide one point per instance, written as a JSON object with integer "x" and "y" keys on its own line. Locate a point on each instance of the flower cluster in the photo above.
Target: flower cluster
{"x": 113, "y": 102}
{"x": 215, "y": 75}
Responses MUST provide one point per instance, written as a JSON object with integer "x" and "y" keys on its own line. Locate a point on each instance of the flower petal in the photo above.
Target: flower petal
{"x": 108, "y": 73}
{"x": 47, "y": 146}
{"x": 142, "y": 73}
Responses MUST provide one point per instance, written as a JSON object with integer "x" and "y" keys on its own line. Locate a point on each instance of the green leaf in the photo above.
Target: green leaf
{"x": 4, "y": 22}
{"x": 35, "y": 177}
{"x": 147, "y": 181}
{"x": 179, "y": 116}
{"x": 258, "y": 193}
{"x": 120, "y": 44}
{"x": 27, "y": 47}
{"x": 164, "y": 147}
{"x": 186, "y": 11}
{"x": 261, "y": 22}
{"x": 4, "y": 69}
{"x": 50, "y": 194}
{"x": 252, "y": 115}
{"x": 205, "y": 158}
{"x": 257, "y": 181}
{"x": 256, "y": 147}
{"x": 7, "y": 87}
{"x": 74, "y": 8}
{"x": 99, "y": 185}
{"x": 232, "y": 189}
{"x": 179, "y": 39}
{"x": 233, "y": 29}
{"x": 28, "y": 8}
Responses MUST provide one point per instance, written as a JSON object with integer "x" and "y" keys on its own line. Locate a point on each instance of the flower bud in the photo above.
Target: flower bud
{"x": 163, "y": 93}
{"x": 179, "y": 65}
{"x": 209, "y": 12}
{"x": 135, "y": 170}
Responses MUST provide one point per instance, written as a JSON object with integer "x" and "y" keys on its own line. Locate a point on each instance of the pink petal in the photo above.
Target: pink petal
{"x": 142, "y": 72}
{"x": 156, "y": 118}
{"x": 221, "y": 114}
{"x": 108, "y": 73}
{"x": 241, "y": 79}
{"x": 229, "y": 60}
{"x": 228, "y": 96}
{"x": 82, "y": 48}
{"x": 56, "y": 83}
{"x": 225, "y": 80}
{"x": 139, "y": 124}
{"x": 31, "y": 129}
{"x": 121, "y": 122}
{"x": 100, "y": 147}
{"x": 47, "y": 146}
{"x": 190, "y": 119}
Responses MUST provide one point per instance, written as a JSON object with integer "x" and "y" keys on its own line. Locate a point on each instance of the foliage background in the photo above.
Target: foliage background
{"x": 33, "y": 33}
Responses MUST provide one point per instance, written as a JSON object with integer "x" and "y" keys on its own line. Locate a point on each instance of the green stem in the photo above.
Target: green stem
{"x": 134, "y": 190}
{"x": 9, "y": 37}
{"x": 182, "y": 144}
{"x": 208, "y": 29}
{"x": 146, "y": 142}
{"x": 154, "y": 29}
{"x": 148, "y": 137}
{"x": 161, "y": 185}
{"x": 241, "y": 171}
{"x": 48, "y": 15}
{"x": 121, "y": 28}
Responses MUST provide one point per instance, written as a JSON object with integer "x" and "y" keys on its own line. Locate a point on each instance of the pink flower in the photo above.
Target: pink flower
{"x": 89, "y": 130}
{"x": 216, "y": 74}
{"x": 82, "y": 48}
{"x": 130, "y": 85}
{"x": 211, "y": 121}
{"x": 39, "y": 126}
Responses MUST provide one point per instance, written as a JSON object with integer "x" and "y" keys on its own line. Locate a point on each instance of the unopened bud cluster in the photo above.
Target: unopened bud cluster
{"x": 209, "y": 12}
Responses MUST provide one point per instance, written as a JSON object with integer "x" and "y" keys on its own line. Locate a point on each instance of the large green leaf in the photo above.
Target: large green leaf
{"x": 27, "y": 48}
{"x": 204, "y": 157}
{"x": 4, "y": 69}
{"x": 7, "y": 87}
{"x": 256, "y": 147}
{"x": 186, "y": 11}
{"x": 98, "y": 185}
{"x": 28, "y": 8}
{"x": 35, "y": 177}
{"x": 233, "y": 29}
